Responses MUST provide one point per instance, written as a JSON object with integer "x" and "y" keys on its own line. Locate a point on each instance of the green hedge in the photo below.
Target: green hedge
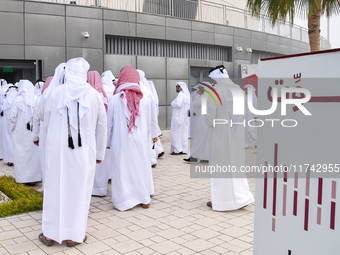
{"x": 24, "y": 199}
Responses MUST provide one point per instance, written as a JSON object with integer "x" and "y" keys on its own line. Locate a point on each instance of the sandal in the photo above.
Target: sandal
{"x": 30, "y": 184}
{"x": 175, "y": 153}
{"x": 10, "y": 164}
{"x": 75, "y": 243}
{"x": 209, "y": 204}
{"x": 43, "y": 239}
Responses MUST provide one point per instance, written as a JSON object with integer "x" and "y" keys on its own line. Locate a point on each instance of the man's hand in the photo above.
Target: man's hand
{"x": 200, "y": 92}
{"x": 98, "y": 161}
{"x": 36, "y": 143}
{"x": 154, "y": 139}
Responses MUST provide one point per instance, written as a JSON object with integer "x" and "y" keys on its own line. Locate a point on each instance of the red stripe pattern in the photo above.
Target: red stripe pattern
{"x": 265, "y": 188}
{"x": 295, "y": 203}
{"x": 332, "y": 225}
{"x": 306, "y": 214}
{"x": 320, "y": 191}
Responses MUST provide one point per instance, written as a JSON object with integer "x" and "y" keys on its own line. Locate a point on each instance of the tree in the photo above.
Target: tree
{"x": 283, "y": 9}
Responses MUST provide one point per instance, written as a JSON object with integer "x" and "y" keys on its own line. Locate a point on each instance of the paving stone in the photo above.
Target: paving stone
{"x": 171, "y": 233}
{"x": 198, "y": 245}
{"x": 235, "y": 231}
{"x": 38, "y": 252}
{"x": 206, "y": 234}
{"x": 140, "y": 235}
{"x": 93, "y": 248}
{"x": 25, "y": 223}
{"x": 165, "y": 247}
{"x": 10, "y": 234}
{"x": 145, "y": 251}
{"x": 72, "y": 252}
{"x": 240, "y": 244}
{"x": 133, "y": 253}
{"x": 186, "y": 251}
{"x": 247, "y": 253}
{"x": 3, "y": 251}
{"x": 125, "y": 247}
{"x": 21, "y": 247}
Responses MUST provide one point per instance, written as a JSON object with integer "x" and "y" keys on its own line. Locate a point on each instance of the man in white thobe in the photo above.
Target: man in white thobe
{"x": 158, "y": 145}
{"x": 250, "y": 137}
{"x": 38, "y": 134}
{"x": 26, "y": 154}
{"x": 76, "y": 125}
{"x": 129, "y": 136}
{"x": 102, "y": 170}
{"x": 229, "y": 191}
{"x": 180, "y": 120}
{"x": 7, "y": 135}
{"x": 109, "y": 84}
{"x": 3, "y": 89}
{"x": 147, "y": 92}
{"x": 200, "y": 131}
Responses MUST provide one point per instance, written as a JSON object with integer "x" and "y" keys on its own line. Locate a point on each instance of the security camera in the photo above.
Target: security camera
{"x": 239, "y": 49}
{"x": 249, "y": 50}
{"x": 86, "y": 35}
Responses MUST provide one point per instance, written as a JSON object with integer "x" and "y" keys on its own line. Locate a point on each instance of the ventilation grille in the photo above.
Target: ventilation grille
{"x": 155, "y": 48}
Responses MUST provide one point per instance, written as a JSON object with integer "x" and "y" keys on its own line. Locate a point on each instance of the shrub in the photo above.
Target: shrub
{"x": 24, "y": 199}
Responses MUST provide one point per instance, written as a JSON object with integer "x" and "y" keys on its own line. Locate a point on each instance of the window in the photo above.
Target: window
{"x": 157, "y": 48}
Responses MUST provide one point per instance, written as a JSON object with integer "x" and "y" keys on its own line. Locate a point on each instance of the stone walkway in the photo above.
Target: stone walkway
{"x": 177, "y": 222}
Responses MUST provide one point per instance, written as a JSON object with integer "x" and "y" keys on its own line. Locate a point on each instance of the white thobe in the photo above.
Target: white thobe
{"x": 200, "y": 132}
{"x": 38, "y": 133}
{"x": 154, "y": 129}
{"x": 102, "y": 175}
{"x": 131, "y": 181}
{"x": 158, "y": 145}
{"x": 25, "y": 153}
{"x": 226, "y": 148}
{"x": 2, "y": 121}
{"x": 250, "y": 137}
{"x": 69, "y": 174}
{"x": 153, "y": 156}
{"x": 7, "y": 137}
{"x": 99, "y": 186}
{"x": 179, "y": 125}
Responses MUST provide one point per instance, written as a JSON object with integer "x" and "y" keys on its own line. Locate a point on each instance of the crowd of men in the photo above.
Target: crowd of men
{"x": 78, "y": 129}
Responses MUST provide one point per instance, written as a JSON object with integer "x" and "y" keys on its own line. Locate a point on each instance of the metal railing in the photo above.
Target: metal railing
{"x": 203, "y": 10}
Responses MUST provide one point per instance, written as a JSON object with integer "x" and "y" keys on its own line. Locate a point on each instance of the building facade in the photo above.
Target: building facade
{"x": 36, "y": 36}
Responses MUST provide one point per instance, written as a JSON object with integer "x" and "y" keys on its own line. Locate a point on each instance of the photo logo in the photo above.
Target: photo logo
{"x": 288, "y": 96}
{"x": 209, "y": 93}
{"x": 238, "y": 100}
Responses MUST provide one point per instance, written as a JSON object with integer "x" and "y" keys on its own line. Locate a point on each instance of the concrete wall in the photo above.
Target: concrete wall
{"x": 54, "y": 33}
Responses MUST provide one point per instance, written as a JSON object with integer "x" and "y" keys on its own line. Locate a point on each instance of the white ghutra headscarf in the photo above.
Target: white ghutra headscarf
{"x": 74, "y": 102}
{"x": 25, "y": 99}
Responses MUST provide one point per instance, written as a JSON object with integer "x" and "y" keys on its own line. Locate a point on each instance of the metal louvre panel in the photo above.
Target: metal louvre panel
{"x": 157, "y": 48}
